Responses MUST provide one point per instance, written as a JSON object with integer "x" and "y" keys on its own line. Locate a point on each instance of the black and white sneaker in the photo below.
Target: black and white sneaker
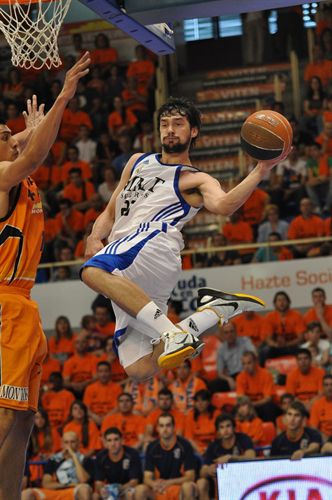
{"x": 228, "y": 305}
{"x": 178, "y": 347}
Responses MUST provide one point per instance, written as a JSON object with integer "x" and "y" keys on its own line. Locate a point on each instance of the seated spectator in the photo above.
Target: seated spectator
{"x": 297, "y": 441}
{"x": 125, "y": 142}
{"x": 77, "y": 49}
{"x": 135, "y": 99}
{"x": 257, "y": 384}
{"x": 103, "y": 54}
{"x": 254, "y": 208}
{"x": 229, "y": 446}
{"x": 121, "y": 119}
{"x": 96, "y": 84}
{"x": 61, "y": 273}
{"x": 45, "y": 439}
{"x": 237, "y": 231}
{"x": 61, "y": 345}
{"x": 104, "y": 322}
{"x": 70, "y": 222}
{"x": 185, "y": 386}
{"x": 314, "y": 105}
{"x": 170, "y": 465}
{"x": 59, "y": 151}
{"x": 75, "y": 162}
{"x": 247, "y": 421}
{"x": 283, "y": 329}
{"x": 142, "y": 69}
{"x": 114, "y": 84}
{"x": 131, "y": 425}
{"x": 321, "y": 410}
{"x": 107, "y": 188}
{"x": 48, "y": 175}
{"x": 15, "y": 120}
{"x": 301, "y": 138}
{"x": 145, "y": 139}
{"x": 87, "y": 147}
{"x": 165, "y": 403}
{"x": 68, "y": 471}
{"x": 118, "y": 372}
{"x": 199, "y": 426}
{"x": 229, "y": 358}
{"x": 73, "y": 117}
{"x": 320, "y": 66}
{"x": 57, "y": 401}
{"x": 51, "y": 231}
{"x": 305, "y": 225}
{"x": 79, "y": 371}
{"x": 272, "y": 254}
{"x": 84, "y": 427}
{"x": 100, "y": 396}
{"x": 145, "y": 394}
{"x": 285, "y": 400}
{"x": 318, "y": 172}
{"x": 249, "y": 324}
{"x": 320, "y": 312}
{"x": 319, "y": 347}
{"x": 79, "y": 191}
{"x": 13, "y": 87}
{"x": 81, "y": 244}
{"x": 116, "y": 466}
{"x": 305, "y": 381}
{"x": 49, "y": 366}
{"x": 66, "y": 254}
{"x": 272, "y": 224}
{"x": 221, "y": 257}
{"x": 325, "y": 138}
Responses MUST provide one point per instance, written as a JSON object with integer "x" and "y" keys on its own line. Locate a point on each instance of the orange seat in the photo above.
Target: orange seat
{"x": 220, "y": 399}
{"x": 269, "y": 433}
{"x": 282, "y": 365}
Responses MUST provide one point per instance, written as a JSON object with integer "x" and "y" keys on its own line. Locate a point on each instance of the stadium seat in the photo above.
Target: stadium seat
{"x": 220, "y": 399}
{"x": 282, "y": 365}
{"x": 269, "y": 433}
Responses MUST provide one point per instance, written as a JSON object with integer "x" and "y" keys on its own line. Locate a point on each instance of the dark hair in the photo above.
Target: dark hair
{"x": 73, "y": 147}
{"x": 206, "y": 396}
{"x": 327, "y": 377}
{"x": 298, "y": 406}
{"x": 283, "y": 294}
{"x": 85, "y": 423}
{"x": 86, "y": 319}
{"x": 287, "y": 395}
{"x": 55, "y": 375}
{"x": 224, "y": 417}
{"x": 46, "y": 431}
{"x": 104, "y": 363}
{"x": 165, "y": 392}
{"x": 274, "y": 233}
{"x": 319, "y": 289}
{"x": 125, "y": 394}
{"x": 251, "y": 354}
{"x": 314, "y": 324}
{"x": 112, "y": 430}
{"x": 169, "y": 415}
{"x": 184, "y": 107}
{"x": 310, "y": 92}
{"x": 68, "y": 334}
{"x": 304, "y": 351}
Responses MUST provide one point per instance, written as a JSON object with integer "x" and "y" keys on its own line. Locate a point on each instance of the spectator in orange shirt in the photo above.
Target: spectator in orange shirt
{"x": 145, "y": 394}
{"x": 79, "y": 191}
{"x": 96, "y": 207}
{"x": 305, "y": 381}
{"x": 118, "y": 373}
{"x": 238, "y": 231}
{"x": 325, "y": 138}
{"x": 59, "y": 152}
{"x": 70, "y": 223}
{"x": 48, "y": 175}
{"x": 321, "y": 410}
{"x": 305, "y": 225}
{"x": 57, "y": 401}
{"x": 254, "y": 208}
{"x": 75, "y": 162}
{"x": 185, "y": 386}
{"x": 285, "y": 400}
{"x": 61, "y": 345}
{"x": 257, "y": 383}
{"x": 15, "y": 120}
{"x": 81, "y": 244}
{"x": 250, "y": 324}
{"x": 135, "y": 99}
{"x": 13, "y": 87}
{"x": 283, "y": 329}
{"x": 49, "y": 366}
{"x": 103, "y": 54}
{"x": 72, "y": 118}
{"x": 321, "y": 312}
{"x": 272, "y": 254}
{"x": 320, "y": 67}
{"x": 199, "y": 426}
{"x": 131, "y": 425}
{"x": 121, "y": 119}
{"x": 165, "y": 403}
{"x": 85, "y": 428}
{"x": 79, "y": 371}
{"x": 247, "y": 421}
{"x": 141, "y": 69}
{"x": 100, "y": 396}
{"x": 104, "y": 324}
{"x": 318, "y": 176}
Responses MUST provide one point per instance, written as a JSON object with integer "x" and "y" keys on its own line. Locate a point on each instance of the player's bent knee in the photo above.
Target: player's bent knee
{"x": 141, "y": 370}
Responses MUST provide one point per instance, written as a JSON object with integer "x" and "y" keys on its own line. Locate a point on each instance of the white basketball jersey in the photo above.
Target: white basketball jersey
{"x": 152, "y": 196}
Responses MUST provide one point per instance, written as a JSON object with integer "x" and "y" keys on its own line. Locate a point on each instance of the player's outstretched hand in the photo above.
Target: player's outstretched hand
{"x": 73, "y": 75}
{"x": 34, "y": 114}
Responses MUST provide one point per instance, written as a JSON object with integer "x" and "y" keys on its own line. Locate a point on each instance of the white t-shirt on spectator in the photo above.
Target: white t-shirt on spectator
{"x": 87, "y": 150}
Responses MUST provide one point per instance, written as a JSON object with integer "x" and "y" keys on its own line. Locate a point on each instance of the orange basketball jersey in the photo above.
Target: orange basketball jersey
{"x": 21, "y": 237}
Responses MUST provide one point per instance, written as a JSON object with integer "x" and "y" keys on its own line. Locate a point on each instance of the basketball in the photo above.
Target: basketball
{"x": 266, "y": 135}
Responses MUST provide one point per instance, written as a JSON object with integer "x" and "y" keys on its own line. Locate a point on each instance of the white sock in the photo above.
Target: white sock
{"x": 152, "y": 316}
{"x": 199, "y": 322}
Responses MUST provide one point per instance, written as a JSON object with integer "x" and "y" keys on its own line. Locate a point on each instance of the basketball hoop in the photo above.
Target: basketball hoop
{"x": 31, "y": 28}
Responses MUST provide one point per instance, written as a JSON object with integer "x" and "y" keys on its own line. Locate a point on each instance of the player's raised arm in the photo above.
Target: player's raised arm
{"x": 104, "y": 222}
{"x": 44, "y": 135}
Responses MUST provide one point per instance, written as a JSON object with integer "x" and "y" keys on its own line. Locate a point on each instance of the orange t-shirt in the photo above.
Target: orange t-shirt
{"x": 94, "y": 436}
{"x": 141, "y": 70}
{"x": 253, "y": 209}
{"x": 50, "y": 365}
{"x": 305, "y": 387}
{"x": 80, "y": 368}
{"x": 239, "y": 232}
{"x": 257, "y": 386}
{"x": 135, "y": 104}
{"x": 103, "y": 56}
{"x": 131, "y": 426}
{"x": 107, "y": 330}
{"x": 145, "y": 394}
{"x": 183, "y": 392}
{"x": 71, "y": 122}
{"x": 201, "y": 431}
{"x": 305, "y": 228}
{"x": 47, "y": 177}
{"x": 101, "y": 398}
{"x": 321, "y": 415}
{"x": 253, "y": 429}
{"x": 328, "y": 226}
{"x": 322, "y": 69}
{"x": 178, "y": 416}
{"x": 56, "y": 442}
{"x": 58, "y": 150}
{"x": 291, "y": 325}
{"x": 75, "y": 220}
{"x": 311, "y": 315}
{"x": 118, "y": 372}
{"x": 61, "y": 350}
{"x": 51, "y": 229}
{"x": 82, "y": 165}
{"x": 57, "y": 404}
{"x": 21, "y": 238}
{"x": 250, "y": 327}
{"x": 115, "y": 120}
{"x": 90, "y": 216}
{"x": 80, "y": 249}
{"x": 79, "y": 194}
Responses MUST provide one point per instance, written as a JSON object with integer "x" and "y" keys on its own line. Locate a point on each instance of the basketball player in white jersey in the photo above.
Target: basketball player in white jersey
{"x": 140, "y": 265}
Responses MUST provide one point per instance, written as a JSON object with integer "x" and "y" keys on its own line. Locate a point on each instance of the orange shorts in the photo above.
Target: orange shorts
{"x": 45, "y": 494}
{"x": 171, "y": 493}
{"x": 23, "y": 348}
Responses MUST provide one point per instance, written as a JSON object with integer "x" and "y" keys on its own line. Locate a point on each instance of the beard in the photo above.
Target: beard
{"x": 176, "y": 148}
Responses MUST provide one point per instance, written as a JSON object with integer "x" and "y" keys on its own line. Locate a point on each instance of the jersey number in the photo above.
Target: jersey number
{"x": 126, "y": 209}
{"x": 13, "y": 232}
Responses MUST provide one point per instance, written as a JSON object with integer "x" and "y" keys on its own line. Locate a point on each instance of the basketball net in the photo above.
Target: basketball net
{"x": 31, "y": 29}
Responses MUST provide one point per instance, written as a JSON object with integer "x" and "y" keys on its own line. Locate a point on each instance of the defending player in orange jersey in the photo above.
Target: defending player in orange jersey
{"x": 22, "y": 341}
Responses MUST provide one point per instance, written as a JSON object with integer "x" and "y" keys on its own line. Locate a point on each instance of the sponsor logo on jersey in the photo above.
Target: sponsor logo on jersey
{"x": 14, "y": 393}
{"x": 37, "y": 208}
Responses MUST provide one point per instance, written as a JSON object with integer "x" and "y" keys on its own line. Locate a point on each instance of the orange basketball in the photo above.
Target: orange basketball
{"x": 266, "y": 135}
